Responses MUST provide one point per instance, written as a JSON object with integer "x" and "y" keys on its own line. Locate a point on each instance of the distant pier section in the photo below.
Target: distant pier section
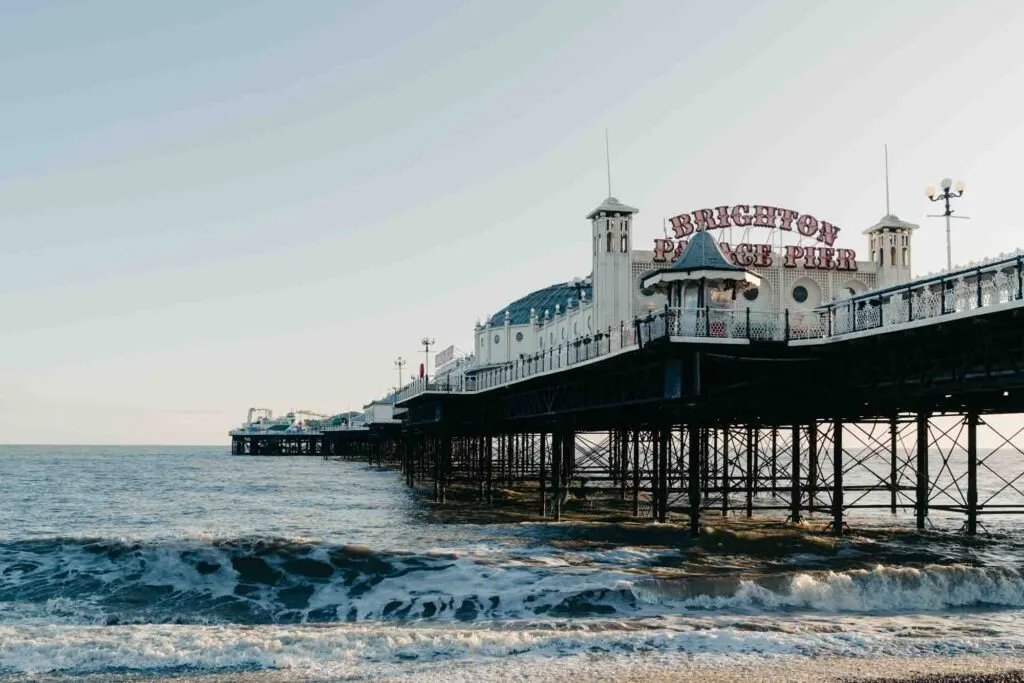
{"x": 304, "y": 432}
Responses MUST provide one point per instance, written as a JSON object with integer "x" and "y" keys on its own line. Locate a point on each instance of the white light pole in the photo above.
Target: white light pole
{"x": 946, "y": 195}
{"x": 400, "y": 363}
{"x": 427, "y": 343}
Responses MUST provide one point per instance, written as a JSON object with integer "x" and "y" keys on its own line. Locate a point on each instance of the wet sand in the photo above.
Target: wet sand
{"x": 638, "y": 669}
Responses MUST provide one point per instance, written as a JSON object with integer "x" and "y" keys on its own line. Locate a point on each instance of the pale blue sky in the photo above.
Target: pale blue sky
{"x": 211, "y": 205}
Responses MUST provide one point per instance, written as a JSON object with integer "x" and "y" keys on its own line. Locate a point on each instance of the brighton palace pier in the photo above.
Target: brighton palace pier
{"x": 746, "y": 362}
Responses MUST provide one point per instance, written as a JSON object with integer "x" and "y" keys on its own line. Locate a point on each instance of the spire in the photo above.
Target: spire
{"x": 887, "y": 211}
{"x": 608, "y": 161}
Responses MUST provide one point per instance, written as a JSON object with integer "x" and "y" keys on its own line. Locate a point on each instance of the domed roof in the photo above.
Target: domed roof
{"x": 541, "y": 300}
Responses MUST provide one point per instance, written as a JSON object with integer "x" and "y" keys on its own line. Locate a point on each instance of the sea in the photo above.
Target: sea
{"x": 151, "y": 563}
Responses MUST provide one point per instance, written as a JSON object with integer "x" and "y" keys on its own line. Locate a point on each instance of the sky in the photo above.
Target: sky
{"x": 207, "y": 206}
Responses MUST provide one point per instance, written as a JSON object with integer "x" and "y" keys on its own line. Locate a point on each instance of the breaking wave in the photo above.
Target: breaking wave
{"x": 282, "y": 581}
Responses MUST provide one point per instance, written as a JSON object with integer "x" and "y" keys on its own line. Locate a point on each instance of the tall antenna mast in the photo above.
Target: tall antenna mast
{"x": 887, "y": 180}
{"x": 608, "y": 161}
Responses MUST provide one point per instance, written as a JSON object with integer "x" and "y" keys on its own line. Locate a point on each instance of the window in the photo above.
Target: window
{"x": 799, "y": 294}
{"x": 751, "y": 294}
{"x": 497, "y": 339}
{"x": 624, "y": 244}
{"x": 904, "y": 261}
{"x": 589, "y": 328}
{"x": 552, "y": 338}
{"x": 563, "y": 334}
{"x": 609, "y": 246}
{"x": 892, "y": 256}
{"x": 576, "y": 328}
{"x": 519, "y": 336}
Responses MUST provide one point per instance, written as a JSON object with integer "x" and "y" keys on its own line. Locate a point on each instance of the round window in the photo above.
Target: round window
{"x": 799, "y": 294}
{"x": 497, "y": 339}
{"x": 751, "y": 294}
{"x": 519, "y": 336}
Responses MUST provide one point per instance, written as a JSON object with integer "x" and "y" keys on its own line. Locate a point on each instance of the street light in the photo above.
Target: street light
{"x": 427, "y": 343}
{"x": 400, "y": 363}
{"x": 946, "y": 194}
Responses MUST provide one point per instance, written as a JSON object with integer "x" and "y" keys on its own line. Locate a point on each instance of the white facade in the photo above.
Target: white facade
{"x": 612, "y": 296}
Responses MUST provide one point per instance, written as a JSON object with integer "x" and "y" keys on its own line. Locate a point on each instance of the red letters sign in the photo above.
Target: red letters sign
{"x": 761, "y": 255}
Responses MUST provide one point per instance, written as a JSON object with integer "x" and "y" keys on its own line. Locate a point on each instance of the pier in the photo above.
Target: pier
{"x": 697, "y": 408}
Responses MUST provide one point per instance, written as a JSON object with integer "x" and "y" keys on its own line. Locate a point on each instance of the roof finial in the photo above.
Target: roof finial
{"x": 608, "y": 161}
{"x": 887, "y": 212}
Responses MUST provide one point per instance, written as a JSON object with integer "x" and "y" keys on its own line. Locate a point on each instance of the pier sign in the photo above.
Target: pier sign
{"x": 444, "y": 356}
{"x": 824, "y": 257}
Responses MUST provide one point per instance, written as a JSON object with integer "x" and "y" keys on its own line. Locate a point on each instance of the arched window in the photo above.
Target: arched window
{"x": 904, "y": 256}
{"x": 892, "y": 256}
{"x": 609, "y": 247}
{"x": 624, "y": 244}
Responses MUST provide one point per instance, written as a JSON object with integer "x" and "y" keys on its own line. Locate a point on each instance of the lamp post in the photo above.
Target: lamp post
{"x": 400, "y": 363}
{"x": 427, "y": 343}
{"x": 946, "y": 195}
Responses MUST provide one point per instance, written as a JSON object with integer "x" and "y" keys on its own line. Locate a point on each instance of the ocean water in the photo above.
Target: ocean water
{"x": 169, "y": 562}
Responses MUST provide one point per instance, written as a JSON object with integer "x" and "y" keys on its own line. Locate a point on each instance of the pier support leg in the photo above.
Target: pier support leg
{"x": 922, "y": 469}
{"x": 489, "y": 466}
{"x": 655, "y": 479}
{"x": 636, "y": 472}
{"x": 725, "y": 471}
{"x": 794, "y": 492}
{"x": 557, "y": 460}
{"x": 446, "y": 464}
{"x": 775, "y": 461}
{"x": 666, "y": 434}
{"x": 812, "y": 466}
{"x": 693, "y": 472}
{"x": 893, "y": 463}
{"x": 972, "y": 473}
{"x": 750, "y": 472}
{"x": 623, "y": 462}
{"x": 543, "y": 475}
{"x": 837, "y": 478}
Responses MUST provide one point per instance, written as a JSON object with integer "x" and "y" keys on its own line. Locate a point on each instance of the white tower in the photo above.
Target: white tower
{"x": 612, "y": 239}
{"x": 889, "y": 240}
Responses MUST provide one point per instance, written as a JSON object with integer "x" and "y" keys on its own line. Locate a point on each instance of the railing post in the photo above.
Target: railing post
{"x": 942, "y": 296}
{"x": 853, "y": 314}
{"x": 748, "y": 322}
{"x": 622, "y": 335}
{"x": 979, "y": 287}
{"x": 1020, "y": 280}
{"x": 786, "y": 337}
{"x": 829, "y": 313}
{"x": 707, "y": 321}
{"x": 880, "y": 309}
{"x": 910, "y": 305}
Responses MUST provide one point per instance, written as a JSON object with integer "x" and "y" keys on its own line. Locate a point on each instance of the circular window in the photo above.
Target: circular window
{"x": 799, "y": 294}
{"x": 751, "y": 294}
{"x": 497, "y": 339}
{"x": 519, "y": 336}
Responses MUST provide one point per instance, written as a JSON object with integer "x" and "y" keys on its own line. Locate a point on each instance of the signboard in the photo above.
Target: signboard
{"x": 824, "y": 233}
{"x": 444, "y": 356}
